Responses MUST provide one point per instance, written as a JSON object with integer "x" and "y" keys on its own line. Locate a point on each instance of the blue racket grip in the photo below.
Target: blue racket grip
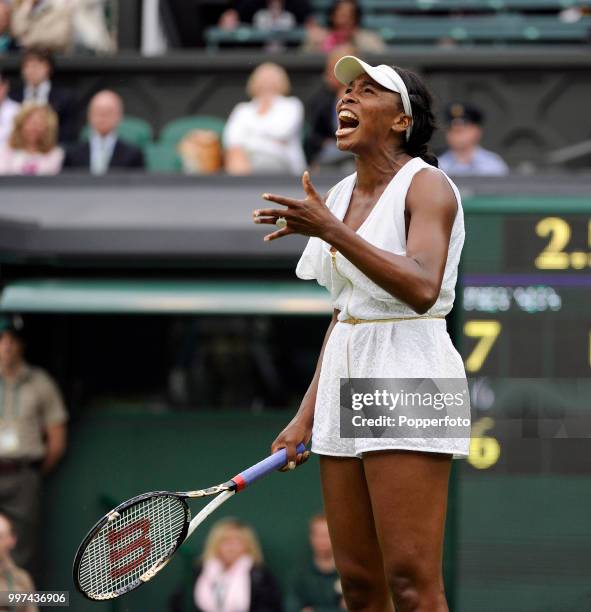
{"x": 262, "y": 468}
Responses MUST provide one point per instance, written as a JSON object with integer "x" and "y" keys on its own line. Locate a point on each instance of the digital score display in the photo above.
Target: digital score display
{"x": 526, "y": 337}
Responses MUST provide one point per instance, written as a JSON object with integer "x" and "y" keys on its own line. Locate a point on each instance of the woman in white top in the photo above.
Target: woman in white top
{"x": 386, "y": 242}
{"x": 265, "y": 134}
{"x": 32, "y": 147}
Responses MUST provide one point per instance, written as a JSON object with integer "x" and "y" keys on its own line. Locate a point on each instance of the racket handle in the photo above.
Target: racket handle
{"x": 270, "y": 464}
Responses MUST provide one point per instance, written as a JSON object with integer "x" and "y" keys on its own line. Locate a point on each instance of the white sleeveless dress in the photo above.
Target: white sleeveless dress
{"x": 415, "y": 348}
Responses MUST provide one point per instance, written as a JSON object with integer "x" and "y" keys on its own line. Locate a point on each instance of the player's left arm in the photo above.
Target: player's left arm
{"x": 414, "y": 278}
{"x": 432, "y": 207}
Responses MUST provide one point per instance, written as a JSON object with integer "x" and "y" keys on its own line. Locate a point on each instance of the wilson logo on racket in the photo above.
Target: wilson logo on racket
{"x": 133, "y": 542}
{"x": 119, "y": 549}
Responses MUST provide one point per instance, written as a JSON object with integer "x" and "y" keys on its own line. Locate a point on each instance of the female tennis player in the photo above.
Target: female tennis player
{"x": 386, "y": 242}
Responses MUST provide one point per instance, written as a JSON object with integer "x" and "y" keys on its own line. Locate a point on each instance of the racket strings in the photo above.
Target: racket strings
{"x": 131, "y": 544}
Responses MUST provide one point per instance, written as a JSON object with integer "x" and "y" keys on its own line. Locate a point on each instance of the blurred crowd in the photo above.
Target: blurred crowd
{"x": 64, "y": 26}
{"x": 272, "y": 132}
{"x": 92, "y": 26}
{"x": 321, "y": 25}
{"x": 231, "y": 575}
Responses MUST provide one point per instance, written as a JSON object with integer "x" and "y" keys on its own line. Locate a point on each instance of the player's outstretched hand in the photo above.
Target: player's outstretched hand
{"x": 309, "y": 217}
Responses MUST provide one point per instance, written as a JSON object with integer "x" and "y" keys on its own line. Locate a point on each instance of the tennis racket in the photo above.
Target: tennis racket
{"x": 134, "y": 541}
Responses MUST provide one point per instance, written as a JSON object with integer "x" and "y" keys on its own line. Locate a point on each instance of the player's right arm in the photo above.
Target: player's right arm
{"x": 299, "y": 429}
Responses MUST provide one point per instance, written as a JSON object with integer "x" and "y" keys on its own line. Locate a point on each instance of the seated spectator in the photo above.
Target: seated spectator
{"x": 258, "y": 12}
{"x": 8, "y": 111}
{"x": 43, "y": 23}
{"x": 90, "y": 27}
{"x": 316, "y": 587}
{"x": 264, "y": 135}
{"x": 320, "y": 144}
{"x": 37, "y": 87}
{"x": 231, "y": 576}
{"x": 104, "y": 150}
{"x": 274, "y": 17}
{"x": 61, "y": 25}
{"x": 344, "y": 27}
{"x": 201, "y": 152}
{"x": 6, "y": 41}
{"x": 12, "y": 578}
{"x": 465, "y": 156}
{"x": 32, "y": 147}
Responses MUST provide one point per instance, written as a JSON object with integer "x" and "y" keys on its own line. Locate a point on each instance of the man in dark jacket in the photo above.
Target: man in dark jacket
{"x": 321, "y": 116}
{"x": 104, "y": 150}
{"x": 37, "y": 87}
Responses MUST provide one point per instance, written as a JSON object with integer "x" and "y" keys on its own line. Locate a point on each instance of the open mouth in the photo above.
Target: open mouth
{"x": 348, "y": 123}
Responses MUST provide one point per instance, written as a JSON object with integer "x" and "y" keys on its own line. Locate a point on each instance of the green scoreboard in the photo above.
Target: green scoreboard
{"x": 526, "y": 332}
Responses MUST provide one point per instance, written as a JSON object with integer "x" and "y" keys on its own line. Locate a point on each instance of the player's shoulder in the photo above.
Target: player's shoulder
{"x": 431, "y": 186}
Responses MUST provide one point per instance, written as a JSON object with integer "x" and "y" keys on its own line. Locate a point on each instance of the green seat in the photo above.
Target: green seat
{"x": 162, "y": 158}
{"x": 133, "y": 130}
{"x": 505, "y": 27}
{"x": 389, "y": 6}
{"x": 174, "y": 131}
{"x": 246, "y": 35}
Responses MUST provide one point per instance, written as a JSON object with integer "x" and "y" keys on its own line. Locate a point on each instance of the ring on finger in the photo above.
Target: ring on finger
{"x": 281, "y": 222}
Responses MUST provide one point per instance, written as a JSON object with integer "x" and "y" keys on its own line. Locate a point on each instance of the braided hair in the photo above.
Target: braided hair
{"x": 424, "y": 123}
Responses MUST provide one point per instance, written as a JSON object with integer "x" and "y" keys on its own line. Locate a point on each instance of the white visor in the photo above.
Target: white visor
{"x": 350, "y": 67}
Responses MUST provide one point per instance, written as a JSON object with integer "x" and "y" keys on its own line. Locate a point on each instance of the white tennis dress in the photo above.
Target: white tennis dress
{"x": 419, "y": 347}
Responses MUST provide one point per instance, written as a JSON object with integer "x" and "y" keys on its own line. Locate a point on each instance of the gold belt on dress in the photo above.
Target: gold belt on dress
{"x": 356, "y": 321}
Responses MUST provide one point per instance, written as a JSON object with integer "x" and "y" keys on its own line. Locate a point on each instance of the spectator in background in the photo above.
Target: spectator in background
{"x": 231, "y": 576}
{"x": 32, "y": 437}
{"x": 104, "y": 150}
{"x": 32, "y": 148}
{"x": 12, "y": 578}
{"x": 37, "y": 69}
{"x": 43, "y": 23}
{"x": 264, "y": 135}
{"x": 320, "y": 143}
{"x": 90, "y": 27}
{"x": 465, "y": 156}
{"x": 245, "y": 11}
{"x": 344, "y": 27}
{"x": 316, "y": 587}
{"x": 8, "y": 111}
{"x": 61, "y": 25}
{"x": 274, "y": 17}
{"x": 201, "y": 152}
{"x": 6, "y": 40}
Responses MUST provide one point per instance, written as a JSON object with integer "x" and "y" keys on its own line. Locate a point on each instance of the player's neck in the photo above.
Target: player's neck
{"x": 378, "y": 169}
